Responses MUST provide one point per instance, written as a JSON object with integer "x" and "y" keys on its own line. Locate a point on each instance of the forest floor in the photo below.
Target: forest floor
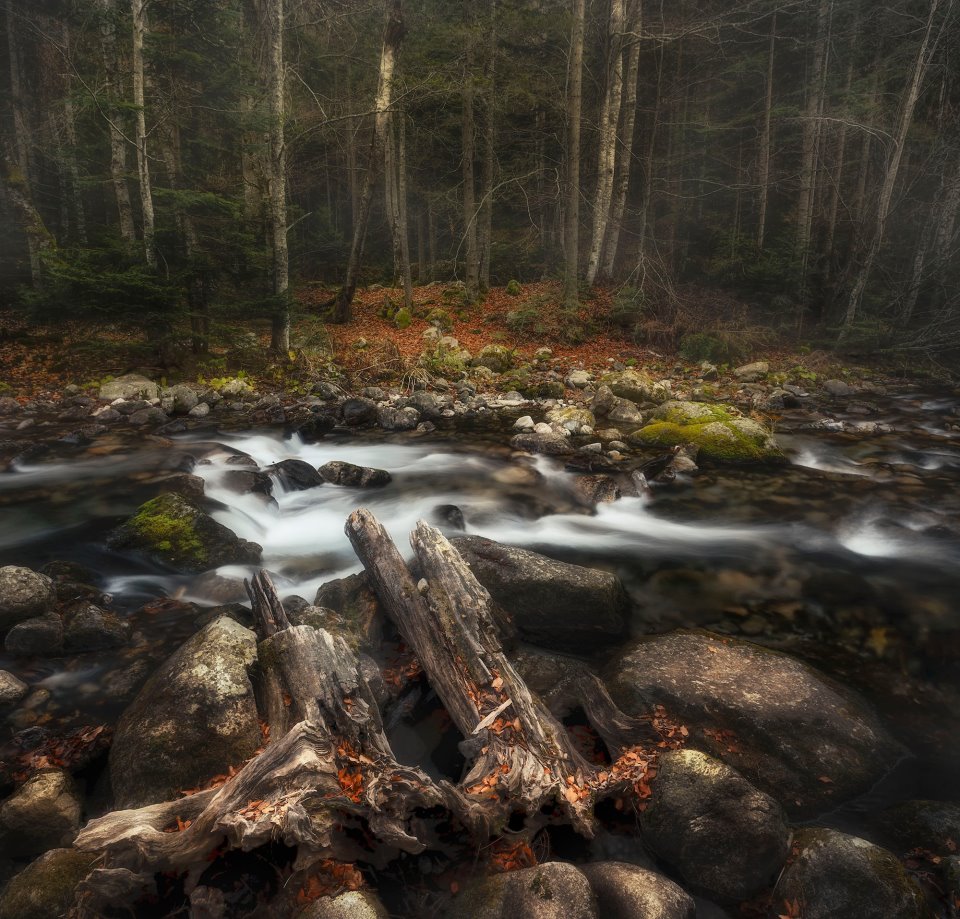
{"x": 38, "y": 359}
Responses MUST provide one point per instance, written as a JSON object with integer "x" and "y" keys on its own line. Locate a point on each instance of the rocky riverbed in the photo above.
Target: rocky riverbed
{"x": 767, "y": 566}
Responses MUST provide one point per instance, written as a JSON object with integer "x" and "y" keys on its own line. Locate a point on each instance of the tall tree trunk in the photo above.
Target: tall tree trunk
{"x": 19, "y": 166}
{"x": 485, "y": 223}
{"x": 649, "y": 162}
{"x": 571, "y": 292}
{"x": 607, "y": 143}
{"x": 811, "y": 132}
{"x": 931, "y": 38}
{"x": 394, "y": 159}
{"x": 836, "y": 191}
{"x": 393, "y": 35}
{"x": 763, "y": 180}
{"x": 277, "y": 176}
{"x": 139, "y": 11}
{"x": 468, "y": 147}
{"x": 624, "y": 157}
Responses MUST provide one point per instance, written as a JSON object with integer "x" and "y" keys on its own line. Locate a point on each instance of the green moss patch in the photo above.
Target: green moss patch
{"x": 720, "y": 435}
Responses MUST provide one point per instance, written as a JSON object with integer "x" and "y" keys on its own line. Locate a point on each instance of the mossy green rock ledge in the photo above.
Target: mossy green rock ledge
{"x": 175, "y": 531}
{"x": 721, "y": 435}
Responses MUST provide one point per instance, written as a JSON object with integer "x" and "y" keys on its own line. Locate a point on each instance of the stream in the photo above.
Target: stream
{"x": 848, "y": 557}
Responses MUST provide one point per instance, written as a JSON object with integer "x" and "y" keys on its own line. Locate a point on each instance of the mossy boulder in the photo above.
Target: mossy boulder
{"x": 720, "y": 435}
{"x": 543, "y": 389}
{"x": 572, "y": 418}
{"x": 175, "y": 531}
{"x": 47, "y": 886}
{"x": 496, "y": 357}
{"x": 195, "y": 717}
{"x": 636, "y": 386}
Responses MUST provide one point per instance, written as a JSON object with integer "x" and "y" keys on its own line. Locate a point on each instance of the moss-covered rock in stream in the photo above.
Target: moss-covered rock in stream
{"x": 175, "y": 531}
{"x": 195, "y": 717}
{"x": 46, "y": 888}
{"x": 833, "y": 874}
{"x": 636, "y": 386}
{"x": 720, "y": 435}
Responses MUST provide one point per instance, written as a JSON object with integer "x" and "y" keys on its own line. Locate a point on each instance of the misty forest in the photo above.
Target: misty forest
{"x": 479, "y": 458}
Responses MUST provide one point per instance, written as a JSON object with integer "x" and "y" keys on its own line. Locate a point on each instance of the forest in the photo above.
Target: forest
{"x": 187, "y": 165}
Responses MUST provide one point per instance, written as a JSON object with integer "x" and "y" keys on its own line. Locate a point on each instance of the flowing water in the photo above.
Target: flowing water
{"x": 848, "y": 557}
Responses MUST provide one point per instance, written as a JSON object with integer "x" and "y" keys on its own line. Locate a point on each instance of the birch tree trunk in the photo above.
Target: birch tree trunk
{"x": 571, "y": 290}
{"x": 763, "y": 180}
{"x": 277, "y": 176}
{"x": 607, "y": 144}
{"x": 624, "y": 158}
{"x": 393, "y": 36}
{"x": 139, "y": 10}
{"x": 931, "y": 38}
{"x": 811, "y": 133}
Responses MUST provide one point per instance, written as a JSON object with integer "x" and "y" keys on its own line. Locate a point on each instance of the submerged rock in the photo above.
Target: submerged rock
{"x": 47, "y": 887}
{"x": 790, "y": 730}
{"x": 554, "y": 890}
{"x": 89, "y": 628}
{"x": 23, "y": 595}
{"x": 44, "y": 812}
{"x": 338, "y": 472}
{"x": 719, "y": 434}
{"x": 37, "y": 636}
{"x": 833, "y": 874}
{"x": 628, "y": 892}
{"x": 713, "y": 826}
{"x": 175, "y": 531}
{"x": 553, "y": 604}
{"x": 193, "y": 718}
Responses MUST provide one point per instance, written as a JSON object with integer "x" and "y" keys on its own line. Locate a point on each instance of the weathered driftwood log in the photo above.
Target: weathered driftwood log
{"x": 521, "y": 760}
{"x": 328, "y": 785}
{"x": 328, "y": 768}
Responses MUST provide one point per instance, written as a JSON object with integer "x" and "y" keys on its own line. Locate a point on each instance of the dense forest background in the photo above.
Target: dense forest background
{"x": 188, "y": 164}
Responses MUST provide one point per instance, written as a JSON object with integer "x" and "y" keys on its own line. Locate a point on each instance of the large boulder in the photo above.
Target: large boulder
{"x": 494, "y": 357}
{"x": 295, "y": 475}
{"x": 23, "y": 595}
{"x": 175, "y": 531}
{"x": 713, "y": 826}
{"x": 554, "y": 890}
{"x": 553, "y": 604}
{"x": 549, "y": 444}
{"x": 129, "y": 386}
{"x": 629, "y": 892}
{"x": 43, "y": 813}
{"x": 720, "y": 435}
{"x": 179, "y": 400}
{"x": 12, "y": 689}
{"x": 195, "y": 717}
{"x": 790, "y": 730}
{"x": 832, "y": 874}
{"x": 930, "y": 825}
{"x": 356, "y": 610}
{"x": 572, "y": 418}
{"x": 391, "y": 418}
{"x": 356, "y": 412}
{"x": 636, "y": 386}
{"x": 47, "y": 887}
{"x": 338, "y": 472}
{"x": 354, "y": 904}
